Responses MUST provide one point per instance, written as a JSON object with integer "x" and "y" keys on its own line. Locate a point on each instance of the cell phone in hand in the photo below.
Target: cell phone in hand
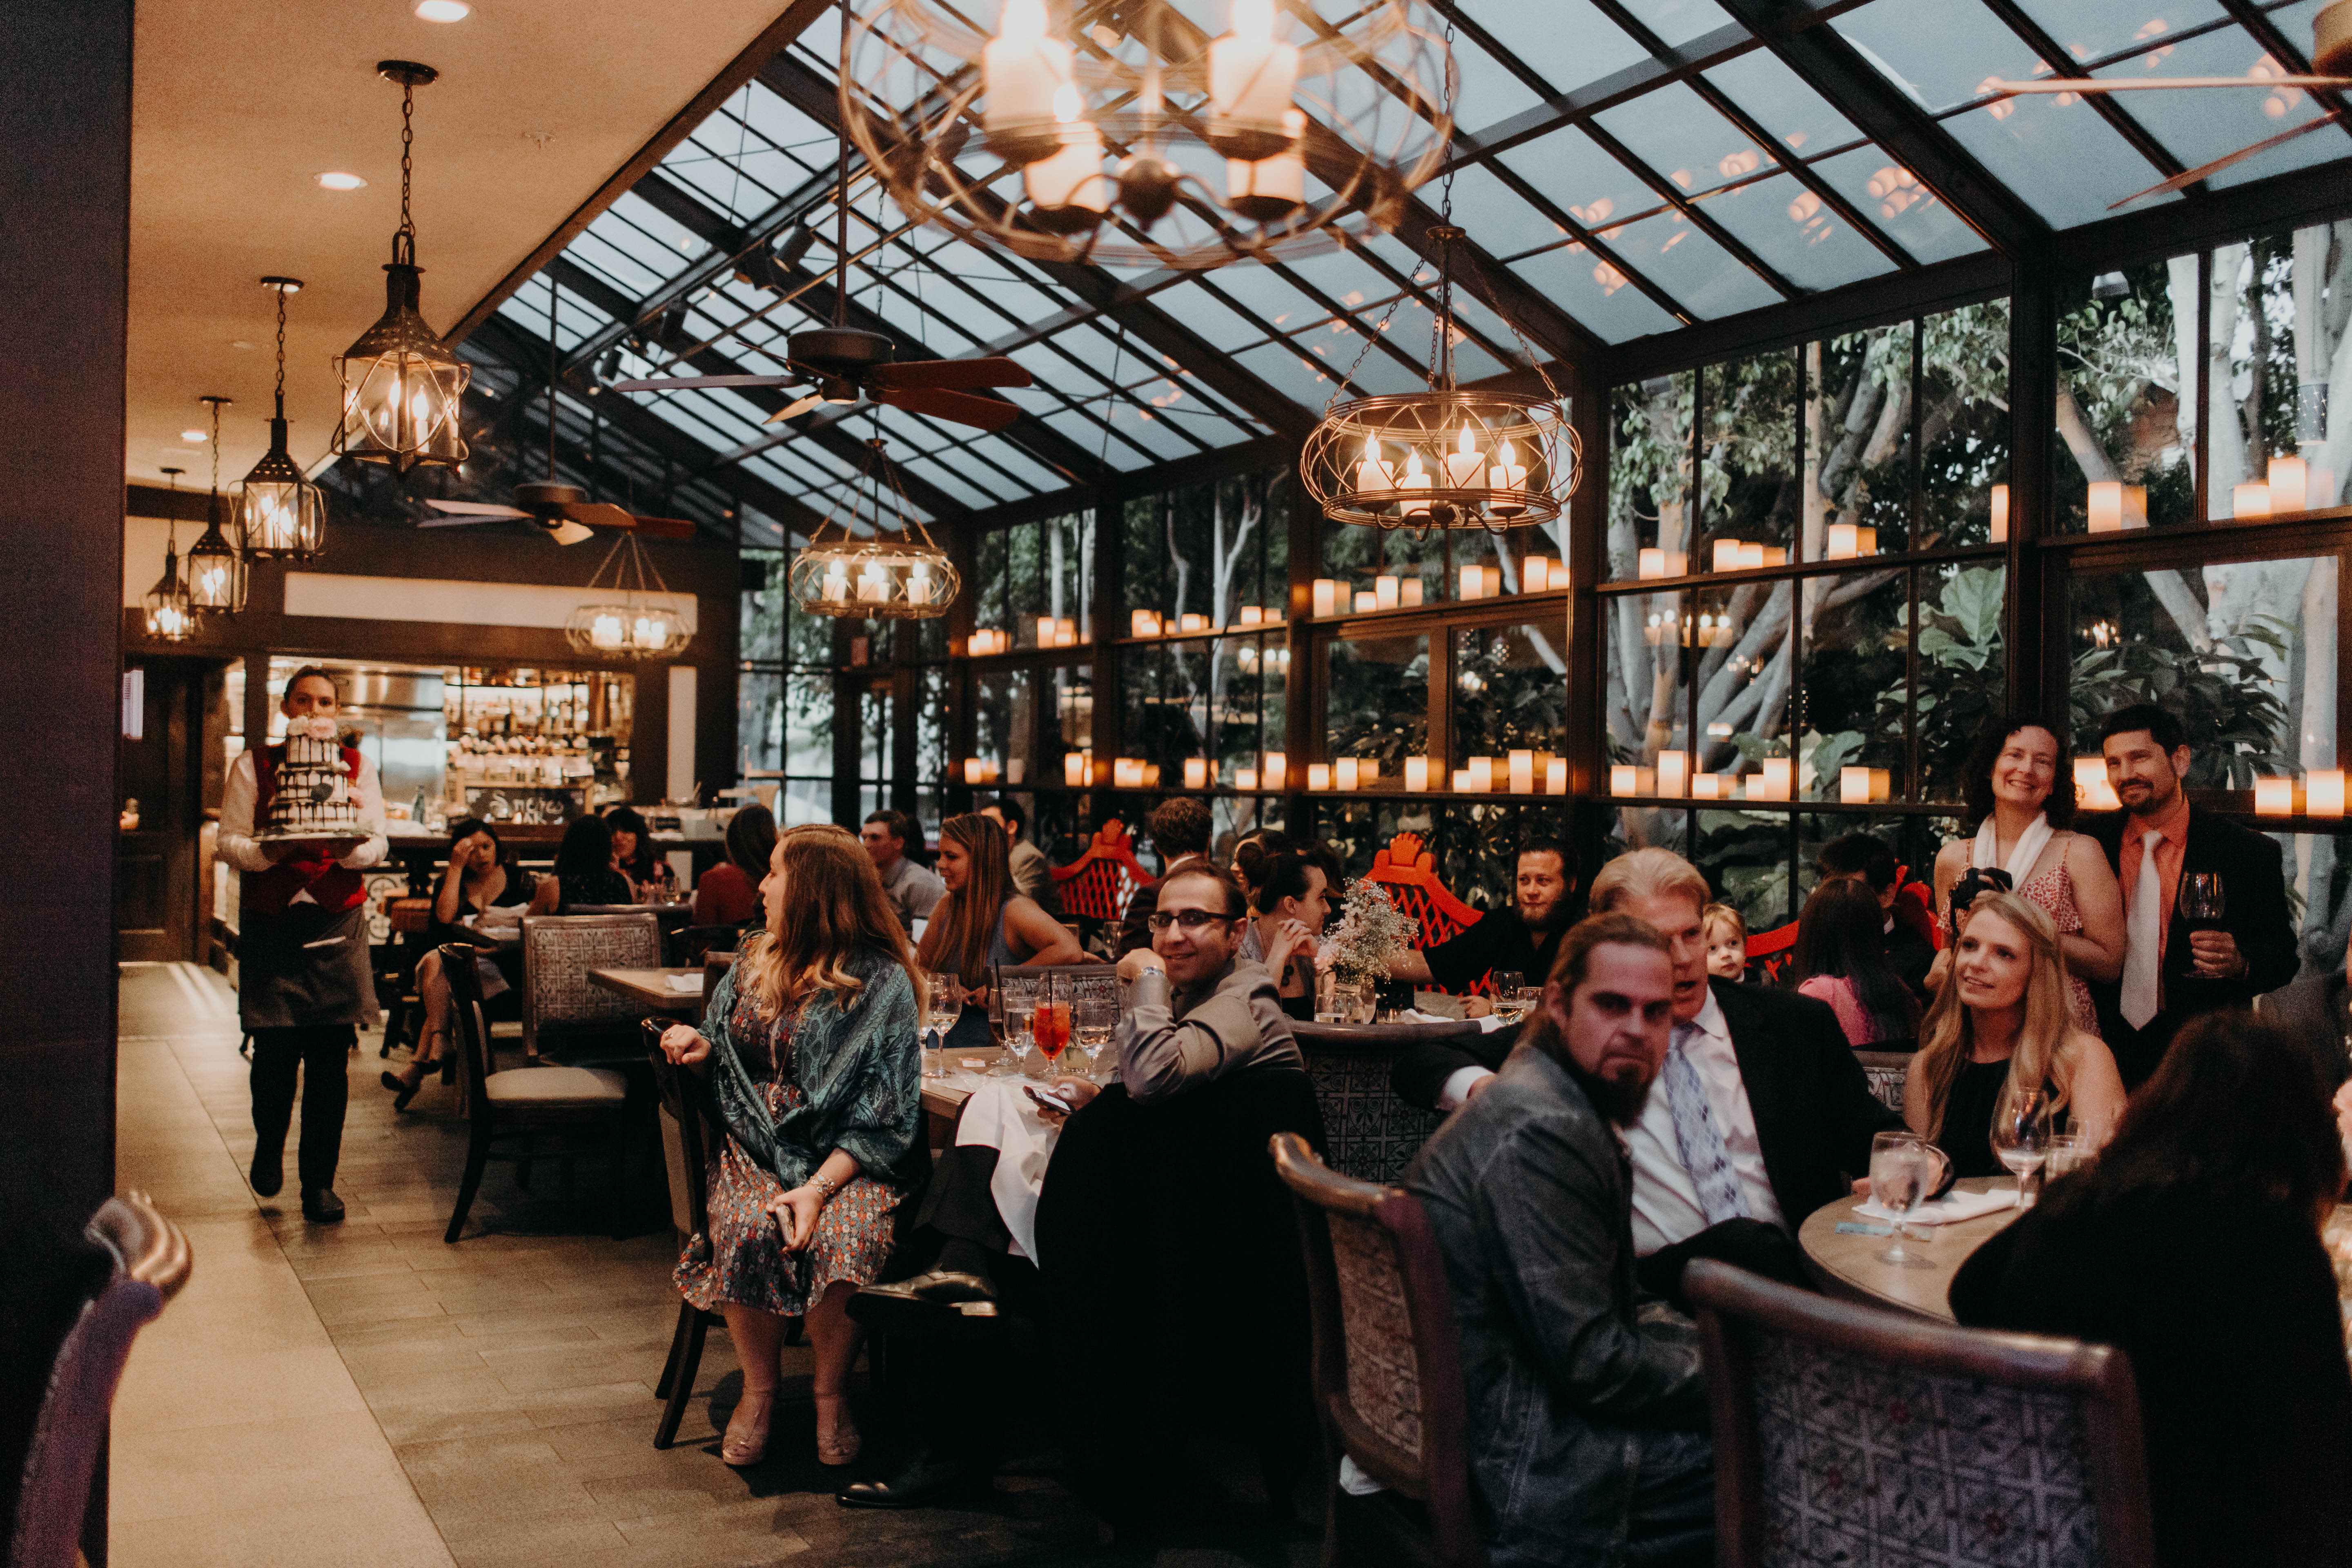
{"x": 1050, "y": 1100}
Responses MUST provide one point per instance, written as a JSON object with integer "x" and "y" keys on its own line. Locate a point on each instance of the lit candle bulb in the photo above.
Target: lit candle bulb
{"x": 1384, "y": 593}
{"x": 1521, "y": 767}
{"x": 1074, "y": 769}
{"x": 837, "y": 586}
{"x": 1465, "y": 464}
{"x": 1556, "y": 776}
{"x": 2000, "y": 514}
{"x": 1508, "y": 474}
{"x": 2322, "y": 793}
{"x": 1674, "y": 774}
{"x": 1272, "y": 772}
{"x": 1482, "y": 775}
{"x": 1372, "y": 474}
{"x": 2289, "y": 482}
{"x": 1072, "y": 177}
{"x": 1196, "y": 772}
{"x": 1416, "y": 775}
{"x": 605, "y": 631}
{"x": 1023, "y": 70}
{"x": 1251, "y": 77}
{"x": 1344, "y": 773}
{"x": 1415, "y": 479}
{"x": 918, "y": 584}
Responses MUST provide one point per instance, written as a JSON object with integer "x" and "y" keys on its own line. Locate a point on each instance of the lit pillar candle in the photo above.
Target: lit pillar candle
{"x": 2273, "y": 798}
{"x": 1065, "y": 634}
{"x": 918, "y": 584}
{"x": 1196, "y": 772}
{"x": 1142, "y": 623}
{"x": 1250, "y": 75}
{"x": 1415, "y": 479}
{"x": 1882, "y": 785}
{"x": 1416, "y": 775}
{"x": 1372, "y": 474}
{"x": 1252, "y": 616}
{"x": 972, "y": 770}
{"x": 1508, "y": 474}
{"x": 1707, "y": 786}
{"x": 2250, "y": 500}
{"x": 1269, "y": 189}
{"x": 1327, "y": 597}
{"x": 1726, "y": 555}
{"x": 1073, "y": 177}
{"x": 1521, "y": 768}
{"x": 2289, "y": 484}
{"x": 1474, "y": 583}
{"x": 1075, "y": 772}
{"x": 1246, "y": 778}
{"x": 2105, "y": 503}
{"x": 1366, "y": 600}
{"x": 1409, "y": 592}
{"x": 605, "y": 631}
{"x": 1535, "y": 574}
{"x": 1841, "y": 545}
{"x": 1755, "y": 555}
{"x": 1465, "y": 465}
{"x": 1384, "y": 593}
{"x": 1151, "y": 775}
{"x": 836, "y": 586}
{"x": 1621, "y": 778}
{"x": 1318, "y": 776}
{"x": 1482, "y": 775}
{"x": 1045, "y": 631}
{"x": 1368, "y": 770}
{"x": 1853, "y": 785}
{"x": 1190, "y": 622}
{"x": 1023, "y": 70}
{"x": 2322, "y": 793}
{"x": 2000, "y": 514}
{"x": 1461, "y": 781}
{"x": 1651, "y": 564}
{"x": 1772, "y": 784}
{"x": 1556, "y": 776}
{"x": 873, "y": 585}
{"x": 1274, "y": 769}
{"x": 2091, "y": 785}
{"x": 1345, "y": 773}
{"x": 1674, "y": 774}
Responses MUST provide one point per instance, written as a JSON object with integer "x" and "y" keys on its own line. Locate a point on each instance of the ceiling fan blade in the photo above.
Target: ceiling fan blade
{"x": 959, "y": 373}
{"x": 684, "y": 383}
{"x": 456, "y": 521}
{"x": 987, "y": 413}
{"x": 593, "y": 513}
{"x": 2058, "y": 84}
{"x": 476, "y": 508}
{"x": 2218, "y": 164}
{"x": 794, "y": 409}
{"x": 661, "y": 527}
{"x": 566, "y": 532}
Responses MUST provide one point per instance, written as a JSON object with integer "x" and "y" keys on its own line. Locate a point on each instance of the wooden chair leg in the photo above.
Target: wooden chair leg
{"x": 477, "y": 1157}
{"x": 620, "y": 1141}
{"x": 694, "y": 1324}
{"x": 685, "y": 1312}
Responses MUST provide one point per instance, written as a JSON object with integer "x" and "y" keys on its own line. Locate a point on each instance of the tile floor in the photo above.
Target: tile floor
{"x": 366, "y": 1395}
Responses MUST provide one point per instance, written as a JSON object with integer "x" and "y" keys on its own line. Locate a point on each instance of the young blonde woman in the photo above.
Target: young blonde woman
{"x": 815, "y": 1071}
{"x": 2021, "y": 808}
{"x": 982, "y": 922}
{"x": 2001, "y": 1022}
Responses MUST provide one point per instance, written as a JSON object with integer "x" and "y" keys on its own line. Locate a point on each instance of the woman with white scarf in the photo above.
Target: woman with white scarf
{"x": 2020, "y": 801}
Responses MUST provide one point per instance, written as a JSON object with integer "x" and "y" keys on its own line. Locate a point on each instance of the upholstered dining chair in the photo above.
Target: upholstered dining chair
{"x": 1887, "y": 1072}
{"x": 1850, "y": 1434}
{"x": 151, "y": 1261}
{"x": 564, "y": 1011}
{"x": 1387, "y": 1370}
{"x": 524, "y": 1101}
{"x": 1369, "y": 1132}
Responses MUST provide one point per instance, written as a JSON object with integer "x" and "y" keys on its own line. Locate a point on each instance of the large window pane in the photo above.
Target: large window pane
{"x": 2125, "y": 353}
{"x": 1963, "y": 670}
{"x": 1858, "y": 433}
{"x": 1855, "y": 654}
{"x": 1377, "y": 699}
{"x": 1749, "y": 436}
{"x": 1649, "y": 477}
{"x": 1510, "y": 692}
{"x": 1746, "y": 857}
{"x": 1963, "y": 421}
{"x": 1209, "y": 550}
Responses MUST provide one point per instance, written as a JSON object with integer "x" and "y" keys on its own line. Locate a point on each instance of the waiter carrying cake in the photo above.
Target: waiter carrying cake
{"x": 304, "y": 980}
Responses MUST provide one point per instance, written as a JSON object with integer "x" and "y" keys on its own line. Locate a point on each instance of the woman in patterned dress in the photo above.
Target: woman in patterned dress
{"x": 2021, "y": 806}
{"x": 815, "y": 1071}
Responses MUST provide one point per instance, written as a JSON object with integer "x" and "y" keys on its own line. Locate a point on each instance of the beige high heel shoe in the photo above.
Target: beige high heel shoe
{"x": 838, "y": 1441}
{"x": 746, "y": 1442}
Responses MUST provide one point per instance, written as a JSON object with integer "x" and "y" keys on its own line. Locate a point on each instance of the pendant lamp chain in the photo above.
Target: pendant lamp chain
{"x": 215, "y": 404}
{"x": 404, "y": 239}
{"x": 281, "y": 353}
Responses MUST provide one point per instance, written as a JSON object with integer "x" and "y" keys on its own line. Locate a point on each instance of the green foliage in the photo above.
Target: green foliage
{"x": 2225, "y": 698}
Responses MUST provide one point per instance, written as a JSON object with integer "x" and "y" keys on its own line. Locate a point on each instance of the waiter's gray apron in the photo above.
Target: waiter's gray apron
{"x": 304, "y": 968}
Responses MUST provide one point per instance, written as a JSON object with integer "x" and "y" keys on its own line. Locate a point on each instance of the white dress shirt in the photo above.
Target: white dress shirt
{"x": 1666, "y": 1200}
{"x": 235, "y": 843}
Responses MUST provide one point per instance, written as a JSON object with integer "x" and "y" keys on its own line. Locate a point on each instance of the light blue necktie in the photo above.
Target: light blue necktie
{"x": 1704, "y": 1156}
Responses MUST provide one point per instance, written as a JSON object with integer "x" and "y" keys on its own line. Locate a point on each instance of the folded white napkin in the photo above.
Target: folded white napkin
{"x": 1486, "y": 1026}
{"x": 1949, "y": 1209}
{"x": 685, "y": 984}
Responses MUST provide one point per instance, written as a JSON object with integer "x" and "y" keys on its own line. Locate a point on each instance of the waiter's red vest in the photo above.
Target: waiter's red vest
{"x": 268, "y": 892}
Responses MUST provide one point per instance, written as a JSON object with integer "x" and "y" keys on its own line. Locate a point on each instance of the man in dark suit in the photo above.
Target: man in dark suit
{"x": 2172, "y": 974}
{"x": 1763, "y": 1113}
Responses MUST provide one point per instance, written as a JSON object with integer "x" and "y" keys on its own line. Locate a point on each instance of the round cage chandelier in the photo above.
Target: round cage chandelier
{"x": 281, "y": 514}
{"x": 877, "y": 562}
{"x": 640, "y": 622}
{"x": 169, "y": 617}
{"x": 1129, "y": 136}
{"x": 1452, "y": 456}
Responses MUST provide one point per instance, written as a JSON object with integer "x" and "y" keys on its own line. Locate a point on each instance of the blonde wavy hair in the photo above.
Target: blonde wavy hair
{"x": 2044, "y": 1038}
{"x": 833, "y": 907}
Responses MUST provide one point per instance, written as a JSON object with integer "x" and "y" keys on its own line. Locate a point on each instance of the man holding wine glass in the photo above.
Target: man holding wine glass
{"x": 2205, "y": 910}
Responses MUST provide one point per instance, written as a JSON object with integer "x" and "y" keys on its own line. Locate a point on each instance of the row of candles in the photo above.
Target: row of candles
{"x": 2322, "y": 790}
{"x": 877, "y": 583}
{"x": 1465, "y": 468}
{"x": 1153, "y": 623}
{"x": 1514, "y": 772}
{"x": 1333, "y": 597}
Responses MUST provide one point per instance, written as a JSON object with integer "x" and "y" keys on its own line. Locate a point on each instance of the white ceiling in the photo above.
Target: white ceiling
{"x": 238, "y": 106}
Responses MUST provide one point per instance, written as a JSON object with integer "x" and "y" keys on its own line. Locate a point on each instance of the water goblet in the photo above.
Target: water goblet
{"x": 1904, "y": 1169}
{"x": 2021, "y": 1138}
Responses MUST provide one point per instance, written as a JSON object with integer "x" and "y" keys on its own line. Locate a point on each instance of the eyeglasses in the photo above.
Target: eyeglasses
{"x": 1190, "y": 919}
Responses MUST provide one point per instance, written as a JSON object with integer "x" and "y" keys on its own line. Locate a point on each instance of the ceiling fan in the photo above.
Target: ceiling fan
{"x": 2331, "y": 57}
{"x": 565, "y": 510}
{"x": 841, "y": 363}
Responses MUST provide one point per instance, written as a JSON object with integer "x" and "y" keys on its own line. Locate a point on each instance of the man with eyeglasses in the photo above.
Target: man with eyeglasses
{"x": 1204, "y": 1016}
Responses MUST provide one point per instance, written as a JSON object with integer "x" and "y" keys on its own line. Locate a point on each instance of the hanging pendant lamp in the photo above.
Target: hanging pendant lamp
{"x": 877, "y": 562}
{"x": 282, "y": 514}
{"x": 166, "y": 604}
{"x": 217, "y": 580}
{"x": 401, "y": 383}
{"x": 640, "y": 622}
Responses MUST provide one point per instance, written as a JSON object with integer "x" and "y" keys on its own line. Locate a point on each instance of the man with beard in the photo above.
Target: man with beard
{"x": 2173, "y": 973}
{"x": 1520, "y": 940}
{"x": 1588, "y": 1407}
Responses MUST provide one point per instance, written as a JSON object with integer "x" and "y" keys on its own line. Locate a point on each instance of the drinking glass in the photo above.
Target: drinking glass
{"x": 2020, "y": 1137}
{"x": 1019, "y": 993}
{"x": 943, "y": 1005}
{"x": 1050, "y": 1025}
{"x": 1902, "y": 1172}
{"x": 1094, "y": 1011}
{"x": 1330, "y": 1000}
{"x": 2202, "y": 904}
{"x": 2066, "y": 1154}
{"x": 1506, "y": 982}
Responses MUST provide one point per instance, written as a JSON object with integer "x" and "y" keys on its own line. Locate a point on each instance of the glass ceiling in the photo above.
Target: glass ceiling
{"x": 1638, "y": 164}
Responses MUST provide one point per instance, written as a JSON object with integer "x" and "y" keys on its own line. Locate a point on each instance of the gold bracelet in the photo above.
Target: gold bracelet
{"x": 825, "y": 1186}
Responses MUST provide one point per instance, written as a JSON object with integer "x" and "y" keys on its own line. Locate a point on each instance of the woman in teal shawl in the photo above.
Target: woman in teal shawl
{"x": 811, "y": 1047}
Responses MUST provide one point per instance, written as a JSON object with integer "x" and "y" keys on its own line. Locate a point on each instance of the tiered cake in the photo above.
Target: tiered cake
{"x": 314, "y": 797}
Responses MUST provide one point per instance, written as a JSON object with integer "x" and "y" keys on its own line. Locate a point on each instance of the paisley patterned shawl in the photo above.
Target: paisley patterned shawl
{"x": 859, "y": 1066}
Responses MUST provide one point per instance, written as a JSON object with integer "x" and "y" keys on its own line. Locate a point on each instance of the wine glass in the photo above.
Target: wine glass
{"x": 1093, "y": 1012}
{"x": 2202, "y": 904}
{"x": 1902, "y": 1175}
{"x": 2020, "y": 1137}
{"x": 943, "y": 1004}
{"x": 1020, "y": 994}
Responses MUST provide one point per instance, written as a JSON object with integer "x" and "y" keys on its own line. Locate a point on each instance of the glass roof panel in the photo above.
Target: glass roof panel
{"x": 1595, "y": 293}
{"x": 1904, "y": 210}
{"x": 1677, "y": 134}
{"x": 1488, "y": 91}
{"x": 1567, "y": 42}
{"x": 2065, "y": 161}
{"x": 1678, "y": 21}
{"x": 1794, "y": 231}
{"x": 1938, "y": 52}
{"x": 2201, "y": 125}
{"x": 1680, "y": 257}
{"x": 1210, "y": 317}
{"x": 1495, "y": 216}
{"x": 2094, "y": 29}
{"x": 1777, "y": 99}
{"x": 1570, "y": 167}
{"x": 1283, "y": 370}
{"x": 1265, "y": 293}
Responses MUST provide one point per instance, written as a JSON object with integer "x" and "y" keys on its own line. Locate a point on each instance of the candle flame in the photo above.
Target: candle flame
{"x": 1508, "y": 456}
{"x": 1412, "y": 464}
{"x": 1466, "y": 447}
{"x": 1371, "y": 449}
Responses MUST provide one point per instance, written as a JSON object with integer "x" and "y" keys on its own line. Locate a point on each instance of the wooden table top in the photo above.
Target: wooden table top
{"x": 1846, "y": 1266}
{"x": 651, "y": 986}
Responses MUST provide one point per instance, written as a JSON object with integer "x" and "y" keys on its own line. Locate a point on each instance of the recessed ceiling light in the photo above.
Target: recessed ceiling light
{"x": 443, "y": 10}
{"x": 195, "y": 436}
{"x": 240, "y": 344}
{"x": 338, "y": 181}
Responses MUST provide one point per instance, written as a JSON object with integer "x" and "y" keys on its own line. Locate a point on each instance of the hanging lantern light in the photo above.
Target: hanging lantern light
{"x": 282, "y": 514}
{"x": 166, "y": 604}
{"x": 640, "y": 622}
{"x": 401, "y": 383}
{"x": 215, "y": 566}
{"x": 876, "y": 565}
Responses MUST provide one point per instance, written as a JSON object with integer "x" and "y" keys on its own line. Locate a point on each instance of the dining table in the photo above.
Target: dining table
{"x": 654, "y": 987}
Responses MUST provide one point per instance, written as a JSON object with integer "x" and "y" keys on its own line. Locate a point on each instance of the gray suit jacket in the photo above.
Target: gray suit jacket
{"x": 1579, "y": 1395}
{"x": 1233, "y": 1022}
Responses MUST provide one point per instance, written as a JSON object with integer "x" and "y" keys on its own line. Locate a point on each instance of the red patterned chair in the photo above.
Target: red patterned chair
{"x": 1404, "y": 870}
{"x": 1098, "y": 884}
{"x": 1773, "y": 951}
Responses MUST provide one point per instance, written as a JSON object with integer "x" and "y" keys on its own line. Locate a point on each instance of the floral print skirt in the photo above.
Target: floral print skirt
{"x": 744, "y": 1262}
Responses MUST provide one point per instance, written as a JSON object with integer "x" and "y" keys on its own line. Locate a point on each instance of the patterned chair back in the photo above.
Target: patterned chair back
{"x": 1886, "y": 1070}
{"x": 1387, "y": 1365}
{"x": 1098, "y": 884}
{"x": 559, "y": 1000}
{"x": 1369, "y": 1132}
{"x": 1772, "y": 952}
{"x": 1849, "y": 1434}
{"x": 1404, "y": 870}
